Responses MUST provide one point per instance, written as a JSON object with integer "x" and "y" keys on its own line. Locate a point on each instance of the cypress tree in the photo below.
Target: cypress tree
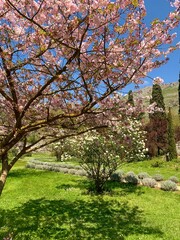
{"x": 179, "y": 94}
{"x": 157, "y": 97}
{"x": 157, "y": 141}
{"x": 130, "y": 98}
{"x": 171, "y": 138}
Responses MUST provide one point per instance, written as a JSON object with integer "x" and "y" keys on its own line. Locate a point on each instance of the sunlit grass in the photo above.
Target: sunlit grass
{"x": 167, "y": 169}
{"x": 50, "y": 205}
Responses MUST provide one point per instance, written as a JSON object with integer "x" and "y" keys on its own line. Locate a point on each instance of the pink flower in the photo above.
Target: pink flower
{"x": 158, "y": 80}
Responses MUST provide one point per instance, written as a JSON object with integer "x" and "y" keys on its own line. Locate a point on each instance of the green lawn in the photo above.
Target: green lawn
{"x": 40, "y": 205}
{"x": 167, "y": 169}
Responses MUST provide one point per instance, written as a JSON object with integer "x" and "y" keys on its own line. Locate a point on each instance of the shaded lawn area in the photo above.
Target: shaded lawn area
{"x": 40, "y": 205}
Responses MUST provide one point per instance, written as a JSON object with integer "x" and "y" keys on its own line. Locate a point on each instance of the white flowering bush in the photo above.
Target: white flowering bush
{"x": 132, "y": 140}
{"x": 100, "y": 157}
{"x": 65, "y": 149}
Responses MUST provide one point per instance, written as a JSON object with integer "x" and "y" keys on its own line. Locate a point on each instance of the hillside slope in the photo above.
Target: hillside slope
{"x": 170, "y": 93}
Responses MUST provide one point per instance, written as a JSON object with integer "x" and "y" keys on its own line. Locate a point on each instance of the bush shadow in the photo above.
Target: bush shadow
{"x": 94, "y": 219}
{"x": 111, "y": 187}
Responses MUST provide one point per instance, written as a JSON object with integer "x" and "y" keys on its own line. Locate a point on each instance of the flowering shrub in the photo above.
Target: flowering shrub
{"x": 132, "y": 140}
{"x": 65, "y": 149}
{"x": 99, "y": 158}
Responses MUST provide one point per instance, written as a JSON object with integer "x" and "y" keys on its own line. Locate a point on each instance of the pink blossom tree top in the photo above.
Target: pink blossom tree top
{"x": 60, "y": 59}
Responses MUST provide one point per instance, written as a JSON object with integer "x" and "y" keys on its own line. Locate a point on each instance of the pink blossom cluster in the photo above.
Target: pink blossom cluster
{"x": 158, "y": 80}
{"x": 61, "y": 60}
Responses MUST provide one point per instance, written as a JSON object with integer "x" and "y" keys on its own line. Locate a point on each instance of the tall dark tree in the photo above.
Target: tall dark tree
{"x": 157, "y": 97}
{"x": 179, "y": 94}
{"x": 157, "y": 127}
{"x": 130, "y": 98}
{"x": 171, "y": 138}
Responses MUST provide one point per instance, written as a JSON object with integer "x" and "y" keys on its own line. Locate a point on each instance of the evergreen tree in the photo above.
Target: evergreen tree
{"x": 157, "y": 97}
{"x": 157, "y": 142}
{"x": 130, "y": 98}
{"x": 171, "y": 138}
{"x": 179, "y": 94}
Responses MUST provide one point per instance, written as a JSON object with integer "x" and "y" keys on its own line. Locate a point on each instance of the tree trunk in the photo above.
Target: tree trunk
{"x": 4, "y": 172}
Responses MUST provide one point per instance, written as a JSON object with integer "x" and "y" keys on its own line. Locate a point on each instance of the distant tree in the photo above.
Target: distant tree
{"x": 179, "y": 94}
{"x": 171, "y": 138}
{"x": 157, "y": 142}
{"x": 158, "y": 99}
{"x": 177, "y": 133}
{"x": 130, "y": 98}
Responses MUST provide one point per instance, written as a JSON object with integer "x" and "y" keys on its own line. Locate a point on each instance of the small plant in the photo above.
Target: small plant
{"x": 168, "y": 185}
{"x": 130, "y": 177}
{"x": 81, "y": 173}
{"x": 174, "y": 179}
{"x": 149, "y": 182}
{"x": 143, "y": 175}
{"x": 72, "y": 171}
{"x": 157, "y": 163}
{"x": 117, "y": 176}
{"x": 158, "y": 177}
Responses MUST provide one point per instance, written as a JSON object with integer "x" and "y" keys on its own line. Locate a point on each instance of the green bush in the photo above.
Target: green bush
{"x": 143, "y": 175}
{"x": 117, "y": 176}
{"x": 158, "y": 177}
{"x": 168, "y": 185}
{"x": 174, "y": 179}
{"x": 157, "y": 163}
{"x": 130, "y": 177}
{"x": 149, "y": 182}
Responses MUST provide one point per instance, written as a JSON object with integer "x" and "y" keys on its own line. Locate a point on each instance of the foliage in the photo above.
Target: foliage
{"x": 149, "y": 182}
{"x": 157, "y": 163}
{"x": 130, "y": 98}
{"x": 179, "y": 95}
{"x": 177, "y": 133}
{"x": 174, "y": 179}
{"x": 143, "y": 175}
{"x": 52, "y": 82}
{"x": 117, "y": 176}
{"x": 172, "y": 152}
{"x": 64, "y": 149}
{"x": 130, "y": 177}
{"x": 157, "y": 142}
{"x": 158, "y": 100}
{"x": 99, "y": 158}
{"x": 158, "y": 177}
{"x": 60, "y": 167}
{"x": 168, "y": 185}
{"x": 132, "y": 140}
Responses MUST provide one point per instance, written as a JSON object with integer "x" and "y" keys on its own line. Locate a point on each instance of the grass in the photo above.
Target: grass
{"x": 49, "y": 205}
{"x": 167, "y": 169}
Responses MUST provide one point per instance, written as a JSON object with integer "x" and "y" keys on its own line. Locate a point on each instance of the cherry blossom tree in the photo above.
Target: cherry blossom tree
{"x": 60, "y": 59}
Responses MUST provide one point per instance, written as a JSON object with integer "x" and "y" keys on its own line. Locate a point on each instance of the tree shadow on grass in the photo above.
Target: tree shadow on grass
{"x": 111, "y": 187}
{"x": 25, "y": 172}
{"x": 94, "y": 219}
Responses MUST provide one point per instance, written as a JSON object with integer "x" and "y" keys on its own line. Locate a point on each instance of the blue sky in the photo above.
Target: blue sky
{"x": 170, "y": 71}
